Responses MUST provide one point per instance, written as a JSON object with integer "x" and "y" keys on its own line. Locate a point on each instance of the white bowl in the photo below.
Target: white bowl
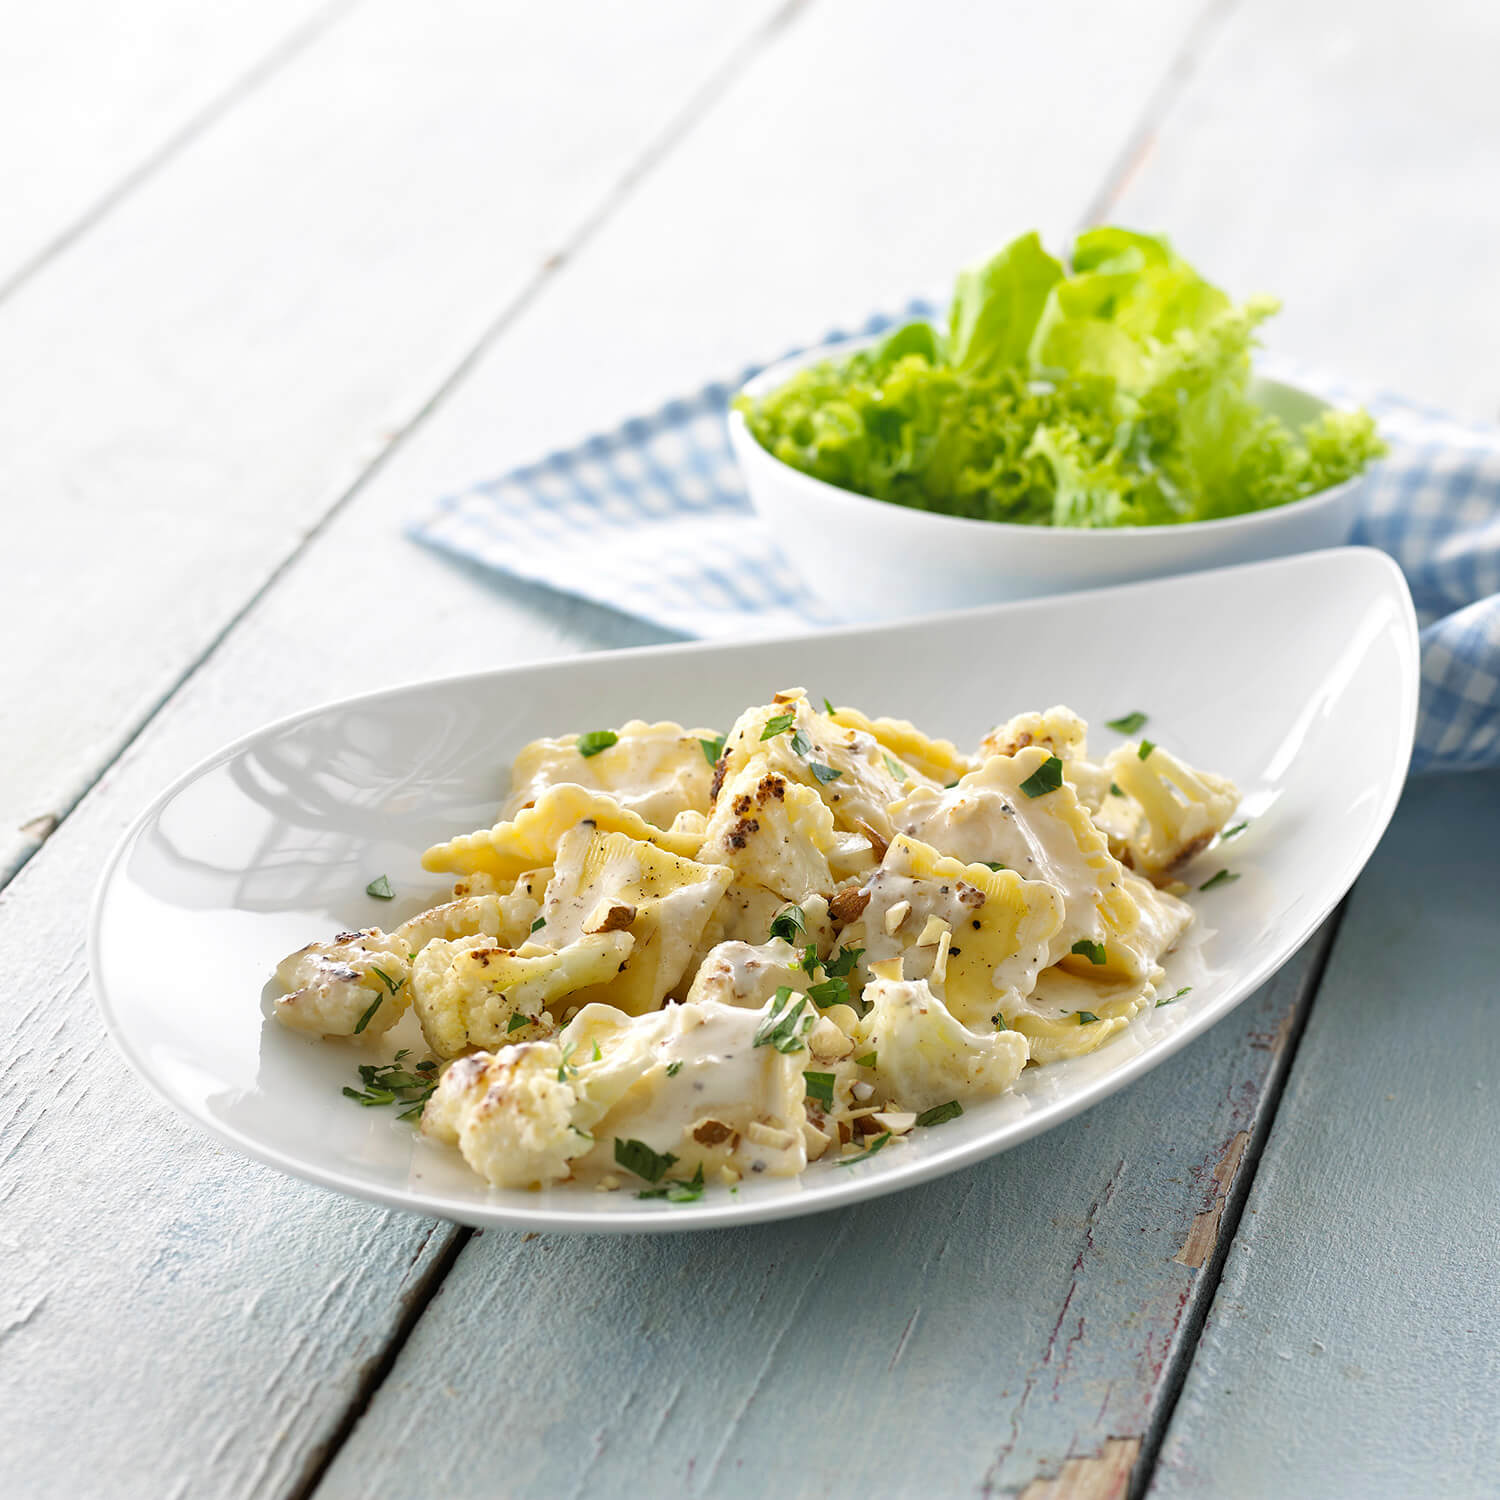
{"x": 872, "y": 560}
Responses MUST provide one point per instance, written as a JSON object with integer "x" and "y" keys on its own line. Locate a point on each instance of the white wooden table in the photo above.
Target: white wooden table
{"x": 273, "y": 275}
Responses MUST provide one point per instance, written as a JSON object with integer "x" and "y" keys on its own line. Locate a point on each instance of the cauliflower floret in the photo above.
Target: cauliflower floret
{"x": 656, "y": 770}
{"x": 747, "y": 974}
{"x": 355, "y": 984}
{"x": 506, "y": 918}
{"x": 846, "y": 767}
{"x": 469, "y": 992}
{"x": 1065, "y": 735}
{"x": 923, "y": 1055}
{"x": 691, "y": 1082}
{"x": 510, "y": 1113}
{"x": 1181, "y": 809}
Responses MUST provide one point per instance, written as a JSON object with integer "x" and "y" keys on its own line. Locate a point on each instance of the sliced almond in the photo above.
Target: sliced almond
{"x": 887, "y": 968}
{"x": 770, "y": 1137}
{"x": 932, "y": 931}
{"x": 827, "y": 1043}
{"x": 897, "y": 1121}
{"x": 895, "y": 915}
{"x": 940, "y": 963}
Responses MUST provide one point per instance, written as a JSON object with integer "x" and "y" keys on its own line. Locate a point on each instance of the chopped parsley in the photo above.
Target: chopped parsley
{"x": 779, "y": 724}
{"x": 867, "y": 1061}
{"x": 949, "y": 785}
{"x": 639, "y": 1158}
{"x": 940, "y": 1114}
{"x": 1170, "y": 998}
{"x": 820, "y": 1088}
{"x": 1128, "y": 723}
{"x": 517, "y": 1021}
{"x": 540, "y": 923}
{"x": 1086, "y": 1018}
{"x": 992, "y": 864}
{"x": 393, "y": 1083}
{"x": 674, "y": 1068}
{"x": 879, "y": 1143}
{"x": 1229, "y": 833}
{"x": 829, "y": 992}
{"x": 713, "y": 749}
{"x": 597, "y": 1053}
{"x": 1046, "y": 778}
{"x": 841, "y": 965}
{"x": 364, "y": 1020}
{"x": 596, "y": 741}
{"x": 823, "y": 773}
{"x": 1114, "y": 790}
{"x": 782, "y": 1028}
{"x": 895, "y": 768}
{"x": 1223, "y": 877}
{"x": 1147, "y": 746}
{"x": 1094, "y": 952}
{"x": 828, "y": 707}
{"x": 801, "y": 744}
{"x": 676, "y": 1191}
{"x": 563, "y": 1067}
{"x": 789, "y": 925}
{"x": 380, "y": 888}
{"x": 998, "y": 1022}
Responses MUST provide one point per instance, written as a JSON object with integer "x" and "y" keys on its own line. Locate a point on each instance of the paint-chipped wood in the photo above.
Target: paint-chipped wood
{"x": 1203, "y": 1236}
{"x": 1104, "y": 1475}
{"x": 1351, "y": 1349}
{"x": 1033, "y": 1301}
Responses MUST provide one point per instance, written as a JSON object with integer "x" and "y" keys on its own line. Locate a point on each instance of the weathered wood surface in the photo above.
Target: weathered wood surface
{"x": 94, "y": 97}
{"x": 1354, "y": 1344}
{"x": 970, "y": 1337}
{"x": 186, "y": 390}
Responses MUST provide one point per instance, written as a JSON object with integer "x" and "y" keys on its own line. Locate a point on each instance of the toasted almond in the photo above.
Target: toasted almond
{"x": 610, "y": 916}
{"x": 849, "y": 905}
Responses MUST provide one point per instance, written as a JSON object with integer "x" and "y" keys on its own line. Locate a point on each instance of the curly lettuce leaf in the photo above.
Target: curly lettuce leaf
{"x": 1117, "y": 395}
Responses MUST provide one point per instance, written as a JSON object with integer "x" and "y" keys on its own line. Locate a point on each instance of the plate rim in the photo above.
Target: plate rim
{"x": 857, "y": 1186}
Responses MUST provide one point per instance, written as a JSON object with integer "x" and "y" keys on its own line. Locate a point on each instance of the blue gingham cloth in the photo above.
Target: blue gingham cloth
{"x": 652, "y": 519}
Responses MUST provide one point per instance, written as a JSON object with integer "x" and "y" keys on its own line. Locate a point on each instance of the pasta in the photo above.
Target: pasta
{"x": 679, "y": 959}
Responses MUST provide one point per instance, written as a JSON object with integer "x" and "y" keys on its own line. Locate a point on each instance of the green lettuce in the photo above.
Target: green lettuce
{"x": 1115, "y": 392}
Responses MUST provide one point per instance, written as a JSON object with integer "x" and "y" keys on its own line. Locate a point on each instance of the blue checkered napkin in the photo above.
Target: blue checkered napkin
{"x": 652, "y": 520}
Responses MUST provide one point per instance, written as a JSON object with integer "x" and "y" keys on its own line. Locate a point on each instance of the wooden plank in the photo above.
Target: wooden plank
{"x": 1340, "y": 155}
{"x": 1006, "y": 1330}
{"x": 92, "y": 96}
{"x": 189, "y": 388}
{"x": 1351, "y": 1346}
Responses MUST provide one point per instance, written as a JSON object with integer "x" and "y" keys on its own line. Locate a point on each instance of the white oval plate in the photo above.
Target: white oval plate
{"x": 1296, "y": 677}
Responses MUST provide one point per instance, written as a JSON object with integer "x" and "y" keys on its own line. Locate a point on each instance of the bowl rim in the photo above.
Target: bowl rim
{"x": 749, "y": 451}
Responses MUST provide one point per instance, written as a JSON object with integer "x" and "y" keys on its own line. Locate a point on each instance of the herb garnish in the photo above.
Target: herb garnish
{"x": 596, "y": 741}
{"x": 1094, "y": 952}
{"x": 789, "y": 924}
{"x": 895, "y": 768}
{"x": 597, "y": 1053}
{"x": 638, "y": 1157}
{"x": 780, "y": 1029}
{"x": 800, "y": 743}
{"x": 676, "y": 1191}
{"x": 992, "y": 864}
{"x": 940, "y": 1113}
{"x": 867, "y": 1061}
{"x": 778, "y": 724}
{"x": 364, "y": 1020}
{"x": 820, "y": 1087}
{"x": 540, "y": 923}
{"x": 1170, "y": 998}
{"x": 1086, "y": 1017}
{"x": 385, "y": 979}
{"x": 674, "y": 1068}
{"x": 1114, "y": 790}
{"x": 1046, "y": 778}
{"x": 810, "y": 960}
{"x": 824, "y": 774}
{"x": 713, "y": 749}
{"x": 841, "y": 965}
{"x": 1147, "y": 746}
{"x": 1223, "y": 877}
{"x": 879, "y": 1143}
{"x": 833, "y": 991}
{"x": 828, "y": 707}
{"x": 569, "y": 1048}
{"x": 380, "y": 888}
{"x": 1229, "y": 833}
{"x": 391, "y": 1083}
{"x": 1127, "y": 723}
{"x": 517, "y": 1020}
